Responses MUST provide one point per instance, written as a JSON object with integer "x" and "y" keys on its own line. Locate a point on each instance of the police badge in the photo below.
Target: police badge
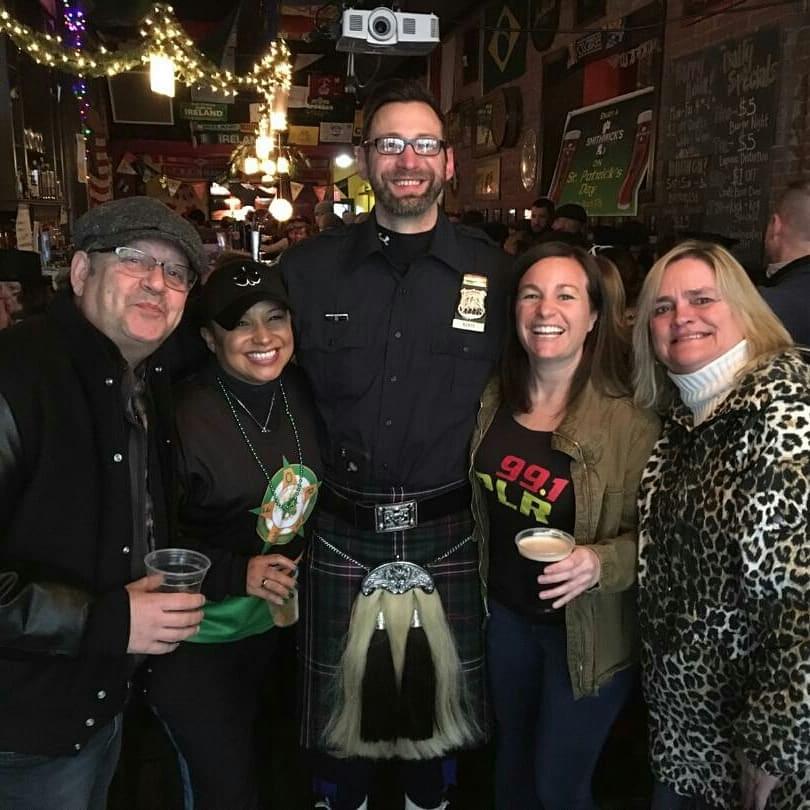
{"x": 471, "y": 309}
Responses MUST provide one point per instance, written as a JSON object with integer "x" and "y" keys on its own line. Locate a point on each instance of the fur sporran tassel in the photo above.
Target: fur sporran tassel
{"x": 417, "y": 692}
{"x": 397, "y": 589}
{"x": 378, "y": 706}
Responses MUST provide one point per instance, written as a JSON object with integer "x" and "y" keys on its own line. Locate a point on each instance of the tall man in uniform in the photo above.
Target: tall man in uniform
{"x": 85, "y": 445}
{"x": 787, "y": 246}
{"x": 399, "y": 323}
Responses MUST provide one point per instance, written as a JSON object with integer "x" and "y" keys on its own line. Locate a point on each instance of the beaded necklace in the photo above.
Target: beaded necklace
{"x": 289, "y": 505}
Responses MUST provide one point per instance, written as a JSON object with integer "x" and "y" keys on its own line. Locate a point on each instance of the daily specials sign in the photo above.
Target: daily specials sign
{"x": 604, "y": 155}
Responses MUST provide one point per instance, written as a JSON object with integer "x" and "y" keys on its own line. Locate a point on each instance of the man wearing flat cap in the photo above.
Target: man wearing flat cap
{"x": 85, "y": 477}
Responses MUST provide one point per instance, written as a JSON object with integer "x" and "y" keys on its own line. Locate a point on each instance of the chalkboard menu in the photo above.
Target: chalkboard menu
{"x": 717, "y": 131}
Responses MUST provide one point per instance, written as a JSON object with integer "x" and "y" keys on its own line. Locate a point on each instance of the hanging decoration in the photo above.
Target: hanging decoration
{"x": 161, "y": 34}
{"x": 76, "y": 26}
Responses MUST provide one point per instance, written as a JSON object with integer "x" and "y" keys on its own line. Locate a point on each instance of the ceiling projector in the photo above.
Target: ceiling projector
{"x": 392, "y": 33}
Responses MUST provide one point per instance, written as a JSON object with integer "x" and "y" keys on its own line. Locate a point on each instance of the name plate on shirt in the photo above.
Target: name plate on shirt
{"x": 471, "y": 310}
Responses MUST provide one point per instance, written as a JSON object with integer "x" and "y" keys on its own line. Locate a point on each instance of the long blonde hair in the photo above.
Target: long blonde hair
{"x": 762, "y": 329}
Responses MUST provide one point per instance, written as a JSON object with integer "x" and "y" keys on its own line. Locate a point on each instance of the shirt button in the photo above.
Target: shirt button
{"x": 77, "y": 746}
{"x": 90, "y": 722}
{"x": 125, "y": 550}
{"x": 101, "y": 694}
{"x": 397, "y": 334}
{"x": 392, "y": 378}
{"x": 158, "y": 369}
{"x": 109, "y": 381}
{"x": 388, "y": 423}
{"x": 403, "y": 291}
{"x": 168, "y": 441}
{"x": 465, "y": 349}
{"x": 117, "y": 458}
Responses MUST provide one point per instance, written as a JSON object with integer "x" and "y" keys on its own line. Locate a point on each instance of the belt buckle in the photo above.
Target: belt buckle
{"x": 394, "y": 517}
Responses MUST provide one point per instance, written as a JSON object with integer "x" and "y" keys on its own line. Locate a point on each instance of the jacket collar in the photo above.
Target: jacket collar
{"x": 797, "y": 265}
{"x": 756, "y": 389}
{"x": 443, "y": 245}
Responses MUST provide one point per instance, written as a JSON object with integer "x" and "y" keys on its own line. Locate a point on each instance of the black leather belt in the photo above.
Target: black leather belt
{"x": 393, "y": 517}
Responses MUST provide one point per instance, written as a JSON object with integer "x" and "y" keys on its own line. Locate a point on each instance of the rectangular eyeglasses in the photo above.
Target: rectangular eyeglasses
{"x": 424, "y": 145}
{"x": 137, "y": 264}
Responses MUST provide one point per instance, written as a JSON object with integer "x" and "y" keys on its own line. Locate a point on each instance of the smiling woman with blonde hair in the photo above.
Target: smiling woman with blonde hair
{"x": 724, "y": 577}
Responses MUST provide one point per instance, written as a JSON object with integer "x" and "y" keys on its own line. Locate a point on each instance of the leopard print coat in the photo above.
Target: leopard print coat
{"x": 724, "y": 590}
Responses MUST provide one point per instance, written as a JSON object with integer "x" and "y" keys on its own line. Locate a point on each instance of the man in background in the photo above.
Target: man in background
{"x": 787, "y": 247}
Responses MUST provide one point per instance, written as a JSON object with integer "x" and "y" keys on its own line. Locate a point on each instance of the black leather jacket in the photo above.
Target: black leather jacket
{"x": 66, "y": 529}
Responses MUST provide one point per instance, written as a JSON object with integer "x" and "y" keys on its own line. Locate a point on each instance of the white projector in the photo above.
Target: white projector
{"x": 383, "y": 31}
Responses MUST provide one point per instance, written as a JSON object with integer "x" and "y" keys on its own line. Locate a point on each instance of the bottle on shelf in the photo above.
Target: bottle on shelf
{"x": 33, "y": 182}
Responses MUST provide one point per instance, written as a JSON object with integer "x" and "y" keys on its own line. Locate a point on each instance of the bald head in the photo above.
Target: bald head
{"x": 788, "y": 234}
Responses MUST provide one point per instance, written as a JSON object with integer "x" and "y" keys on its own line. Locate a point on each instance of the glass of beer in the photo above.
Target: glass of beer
{"x": 568, "y": 149}
{"x": 638, "y": 161}
{"x": 541, "y": 547}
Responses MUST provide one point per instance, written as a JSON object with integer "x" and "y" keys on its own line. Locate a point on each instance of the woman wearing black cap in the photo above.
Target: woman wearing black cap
{"x": 249, "y": 472}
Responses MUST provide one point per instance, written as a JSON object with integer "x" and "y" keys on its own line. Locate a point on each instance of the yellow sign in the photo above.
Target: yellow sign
{"x": 303, "y": 136}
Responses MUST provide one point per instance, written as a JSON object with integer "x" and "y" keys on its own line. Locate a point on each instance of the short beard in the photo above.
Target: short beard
{"x": 414, "y": 206}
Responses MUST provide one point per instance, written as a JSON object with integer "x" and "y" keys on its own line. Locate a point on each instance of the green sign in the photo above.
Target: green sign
{"x": 604, "y": 155}
{"x": 203, "y": 111}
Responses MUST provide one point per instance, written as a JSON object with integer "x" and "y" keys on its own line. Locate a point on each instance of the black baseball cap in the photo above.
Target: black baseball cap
{"x": 233, "y": 288}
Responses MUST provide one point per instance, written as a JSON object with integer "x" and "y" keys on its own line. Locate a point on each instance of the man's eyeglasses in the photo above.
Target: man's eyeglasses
{"x": 424, "y": 146}
{"x": 137, "y": 264}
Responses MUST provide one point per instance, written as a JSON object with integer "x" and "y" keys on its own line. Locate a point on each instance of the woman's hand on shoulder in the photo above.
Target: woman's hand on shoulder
{"x": 271, "y": 577}
{"x": 573, "y": 575}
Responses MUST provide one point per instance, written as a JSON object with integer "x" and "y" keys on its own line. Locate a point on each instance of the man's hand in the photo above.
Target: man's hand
{"x": 158, "y": 622}
{"x": 755, "y": 783}
{"x": 271, "y": 577}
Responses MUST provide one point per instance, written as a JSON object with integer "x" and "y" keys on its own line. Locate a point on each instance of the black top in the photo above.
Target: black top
{"x": 396, "y": 385}
{"x": 526, "y": 484}
{"x": 220, "y": 479}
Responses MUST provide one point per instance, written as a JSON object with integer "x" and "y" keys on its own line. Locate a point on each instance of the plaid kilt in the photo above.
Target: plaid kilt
{"x": 331, "y": 583}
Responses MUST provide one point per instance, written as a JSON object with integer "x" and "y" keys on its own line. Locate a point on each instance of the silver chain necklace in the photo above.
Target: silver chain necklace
{"x": 288, "y": 506}
{"x": 262, "y": 427}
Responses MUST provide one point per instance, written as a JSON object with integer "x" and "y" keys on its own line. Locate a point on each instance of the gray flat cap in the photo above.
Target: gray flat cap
{"x": 121, "y": 222}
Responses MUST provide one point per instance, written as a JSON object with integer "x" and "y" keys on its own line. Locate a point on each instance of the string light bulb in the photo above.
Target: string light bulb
{"x": 251, "y": 165}
{"x": 161, "y": 74}
{"x": 283, "y": 165}
{"x": 281, "y": 209}
{"x": 269, "y": 166}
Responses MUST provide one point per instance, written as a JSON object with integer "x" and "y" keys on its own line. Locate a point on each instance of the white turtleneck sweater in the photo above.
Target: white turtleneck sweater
{"x": 703, "y": 390}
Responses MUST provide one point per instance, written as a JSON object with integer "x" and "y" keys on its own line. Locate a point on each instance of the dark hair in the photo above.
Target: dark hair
{"x": 604, "y": 360}
{"x": 397, "y": 91}
{"x": 544, "y": 202}
{"x": 629, "y": 270}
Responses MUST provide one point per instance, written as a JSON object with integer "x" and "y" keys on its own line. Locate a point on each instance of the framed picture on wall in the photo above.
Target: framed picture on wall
{"x": 483, "y": 138}
{"x": 587, "y": 10}
{"x": 487, "y": 179}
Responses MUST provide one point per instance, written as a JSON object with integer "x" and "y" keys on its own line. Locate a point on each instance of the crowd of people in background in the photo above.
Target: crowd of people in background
{"x": 371, "y": 411}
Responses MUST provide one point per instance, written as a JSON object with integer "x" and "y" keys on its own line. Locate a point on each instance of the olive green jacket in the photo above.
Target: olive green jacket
{"x": 609, "y": 441}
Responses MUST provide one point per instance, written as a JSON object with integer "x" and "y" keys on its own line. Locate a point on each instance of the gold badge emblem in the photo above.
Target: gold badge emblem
{"x": 471, "y": 309}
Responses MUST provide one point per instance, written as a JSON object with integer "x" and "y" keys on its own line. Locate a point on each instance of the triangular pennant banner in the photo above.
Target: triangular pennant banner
{"x": 295, "y": 189}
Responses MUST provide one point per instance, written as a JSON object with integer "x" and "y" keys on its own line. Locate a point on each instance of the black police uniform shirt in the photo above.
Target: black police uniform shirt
{"x": 396, "y": 370}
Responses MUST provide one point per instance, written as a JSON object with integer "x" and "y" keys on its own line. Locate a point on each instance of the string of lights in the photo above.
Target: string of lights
{"x": 76, "y": 26}
{"x": 161, "y": 36}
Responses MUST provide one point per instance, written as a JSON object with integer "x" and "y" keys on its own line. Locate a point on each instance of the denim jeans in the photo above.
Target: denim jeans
{"x": 71, "y": 782}
{"x": 546, "y": 743}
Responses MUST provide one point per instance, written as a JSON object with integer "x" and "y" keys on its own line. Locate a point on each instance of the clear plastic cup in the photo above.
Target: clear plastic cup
{"x": 182, "y": 569}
